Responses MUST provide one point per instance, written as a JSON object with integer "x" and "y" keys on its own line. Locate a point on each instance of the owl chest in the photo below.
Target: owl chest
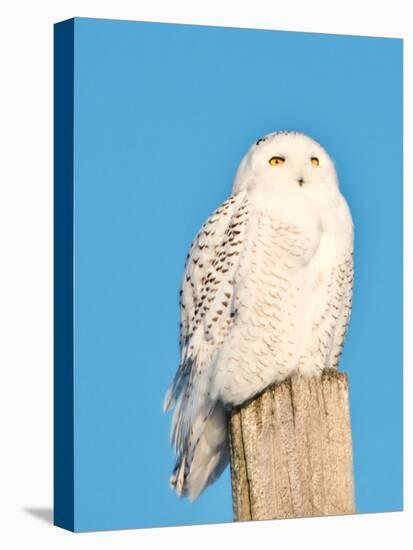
{"x": 279, "y": 244}
{"x": 285, "y": 259}
{"x": 295, "y": 230}
{"x": 270, "y": 278}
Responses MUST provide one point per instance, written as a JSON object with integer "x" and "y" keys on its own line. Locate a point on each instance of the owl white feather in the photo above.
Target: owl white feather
{"x": 266, "y": 293}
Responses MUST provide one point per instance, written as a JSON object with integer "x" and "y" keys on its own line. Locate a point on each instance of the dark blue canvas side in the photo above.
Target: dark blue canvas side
{"x": 63, "y": 275}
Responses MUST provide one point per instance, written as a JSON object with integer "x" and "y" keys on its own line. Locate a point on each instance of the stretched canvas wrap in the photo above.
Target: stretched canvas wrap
{"x": 224, "y": 199}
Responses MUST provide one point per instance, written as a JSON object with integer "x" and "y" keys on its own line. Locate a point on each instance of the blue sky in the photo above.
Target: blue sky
{"x": 163, "y": 115}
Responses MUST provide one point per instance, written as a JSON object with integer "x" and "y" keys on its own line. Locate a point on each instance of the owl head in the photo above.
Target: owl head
{"x": 286, "y": 161}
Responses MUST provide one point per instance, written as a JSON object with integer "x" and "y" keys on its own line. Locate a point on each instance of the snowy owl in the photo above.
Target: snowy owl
{"x": 266, "y": 293}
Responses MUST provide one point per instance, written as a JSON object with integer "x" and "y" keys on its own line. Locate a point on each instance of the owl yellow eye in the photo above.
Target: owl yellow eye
{"x": 315, "y": 161}
{"x": 276, "y": 160}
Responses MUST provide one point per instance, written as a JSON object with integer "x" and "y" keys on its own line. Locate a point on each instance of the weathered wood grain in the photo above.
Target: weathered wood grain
{"x": 291, "y": 450}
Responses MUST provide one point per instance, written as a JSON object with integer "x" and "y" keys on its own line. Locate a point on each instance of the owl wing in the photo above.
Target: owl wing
{"x": 206, "y": 309}
{"x": 344, "y": 291}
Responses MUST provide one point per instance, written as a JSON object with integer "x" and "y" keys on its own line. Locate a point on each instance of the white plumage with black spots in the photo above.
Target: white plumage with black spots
{"x": 266, "y": 293}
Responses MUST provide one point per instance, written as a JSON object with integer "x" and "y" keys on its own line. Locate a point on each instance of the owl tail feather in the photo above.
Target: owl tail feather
{"x": 209, "y": 454}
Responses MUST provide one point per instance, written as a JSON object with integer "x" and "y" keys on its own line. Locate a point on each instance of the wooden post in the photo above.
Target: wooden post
{"x": 291, "y": 451}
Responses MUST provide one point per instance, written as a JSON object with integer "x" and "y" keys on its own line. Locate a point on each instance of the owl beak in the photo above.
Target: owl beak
{"x": 300, "y": 182}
